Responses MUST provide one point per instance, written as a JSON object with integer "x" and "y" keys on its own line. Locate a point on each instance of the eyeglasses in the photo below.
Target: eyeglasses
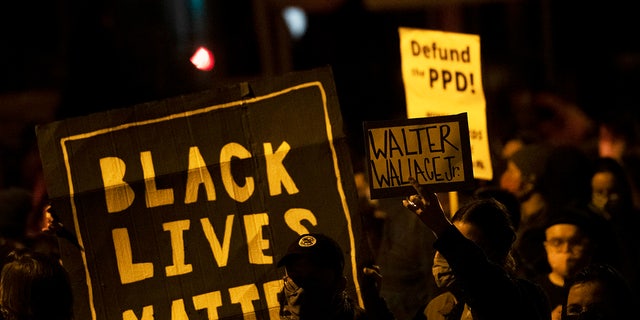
{"x": 582, "y": 314}
{"x": 573, "y": 245}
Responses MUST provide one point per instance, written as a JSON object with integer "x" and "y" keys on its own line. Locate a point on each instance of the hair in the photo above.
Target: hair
{"x": 508, "y": 199}
{"x": 35, "y": 286}
{"x": 493, "y": 219}
{"x": 622, "y": 179}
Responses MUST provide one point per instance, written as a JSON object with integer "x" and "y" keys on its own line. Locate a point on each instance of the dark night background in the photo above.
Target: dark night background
{"x": 63, "y": 58}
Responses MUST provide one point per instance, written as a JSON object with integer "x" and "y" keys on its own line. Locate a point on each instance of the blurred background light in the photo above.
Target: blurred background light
{"x": 296, "y": 21}
{"x": 203, "y": 59}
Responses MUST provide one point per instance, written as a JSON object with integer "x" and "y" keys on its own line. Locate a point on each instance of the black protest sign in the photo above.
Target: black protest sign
{"x": 185, "y": 205}
{"x": 433, "y": 150}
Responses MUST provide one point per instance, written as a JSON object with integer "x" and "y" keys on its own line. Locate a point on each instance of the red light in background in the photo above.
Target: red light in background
{"x": 203, "y": 59}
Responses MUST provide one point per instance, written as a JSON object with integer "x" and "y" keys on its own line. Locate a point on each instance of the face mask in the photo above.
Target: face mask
{"x": 290, "y": 300}
{"x": 442, "y": 273}
{"x": 295, "y": 300}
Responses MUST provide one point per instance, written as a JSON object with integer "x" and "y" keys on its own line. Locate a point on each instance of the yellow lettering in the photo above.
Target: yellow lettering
{"x": 244, "y": 295}
{"x": 235, "y": 191}
{"x": 147, "y": 314}
{"x": 117, "y": 193}
{"x": 220, "y": 252}
{"x": 255, "y": 240}
{"x": 271, "y": 290}
{"x": 294, "y": 216}
{"x": 197, "y": 175}
{"x": 129, "y": 271}
{"x": 154, "y": 197}
{"x": 176, "y": 229}
{"x": 177, "y": 310}
{"x": 277, "y": 174}
{"x": 210, "y": 301}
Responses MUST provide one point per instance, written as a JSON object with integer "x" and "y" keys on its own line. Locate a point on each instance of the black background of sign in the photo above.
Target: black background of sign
{"x": 297, "y": 117}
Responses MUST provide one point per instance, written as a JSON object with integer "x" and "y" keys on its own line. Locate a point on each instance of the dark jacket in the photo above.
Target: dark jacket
{"x": 490, "y": 291}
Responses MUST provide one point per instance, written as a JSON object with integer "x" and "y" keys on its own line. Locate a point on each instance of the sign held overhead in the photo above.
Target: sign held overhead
{"x": 434, "y": 150}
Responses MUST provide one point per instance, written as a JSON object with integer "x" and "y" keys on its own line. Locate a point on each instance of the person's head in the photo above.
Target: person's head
{"x": 568, "y": 243}
{"x": 598, "y": 291}
{"x": 486, "y": 222}
{"x": 524, "y": 167}
{"x": 611, "y": 191}
{"x": 314, "y": 280}
{"x": 35, "y": 286}
{"x": 505, "y": 197}
{"x": 616, "y": 135}
{"x": 566, "y": 179}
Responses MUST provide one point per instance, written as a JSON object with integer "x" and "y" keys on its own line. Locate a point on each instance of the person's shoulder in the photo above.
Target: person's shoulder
{"x": 361, "y": 314}
{"x": 445, "y": 304}
{"x": 529, "y": 285}
{"x": 534, "y": 294}
{"x": 381, "y": 313}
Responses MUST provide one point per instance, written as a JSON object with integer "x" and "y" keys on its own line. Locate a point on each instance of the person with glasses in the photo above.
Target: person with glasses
{"x": 570, "y": 246}
{"x": 599, "y": 292}
{"x": 612, "y": 198}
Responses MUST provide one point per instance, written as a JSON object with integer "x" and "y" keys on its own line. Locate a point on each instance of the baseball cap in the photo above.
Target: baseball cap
{"x": 318, "y": 247}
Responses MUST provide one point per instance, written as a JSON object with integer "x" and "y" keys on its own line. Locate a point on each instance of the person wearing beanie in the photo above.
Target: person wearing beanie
{"x": 570, "y": 245}
{"x": 563, "y": 181}
{"x": 524, "y": 168}
{"x": 521, "y": 178}
{"x": 530, "y": 161}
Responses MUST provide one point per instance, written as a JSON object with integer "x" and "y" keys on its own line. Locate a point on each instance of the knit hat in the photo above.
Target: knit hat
{"x": 319, "y": 248}
{"x": 531, "y": 160}
{"x": 580, "y": 217}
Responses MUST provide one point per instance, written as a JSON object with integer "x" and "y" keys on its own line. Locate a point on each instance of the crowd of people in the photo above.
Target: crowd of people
{"x": 551, "y": 237}
{"x": 572, "y": 195}
{"x": 34, "y": 285}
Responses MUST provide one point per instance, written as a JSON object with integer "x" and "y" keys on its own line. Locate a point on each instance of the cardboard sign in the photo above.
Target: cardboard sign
{"x": 184, "y": 206}
{"x": 442, "y": 76}
{"x": 435, "y": 151}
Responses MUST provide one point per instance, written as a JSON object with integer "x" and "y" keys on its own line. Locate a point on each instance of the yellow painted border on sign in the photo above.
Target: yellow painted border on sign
{"x": 317, "y": 84}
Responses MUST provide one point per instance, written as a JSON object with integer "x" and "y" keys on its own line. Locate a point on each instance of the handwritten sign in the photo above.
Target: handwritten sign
{"x": 435, "y": 151}
{"x": 442, "y": 76}
{"x": 185, "y": 205}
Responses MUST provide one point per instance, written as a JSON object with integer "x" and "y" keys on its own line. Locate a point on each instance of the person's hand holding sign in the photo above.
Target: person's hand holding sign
{"x": 473, "y": 254}
{"x": 427, "y": 207}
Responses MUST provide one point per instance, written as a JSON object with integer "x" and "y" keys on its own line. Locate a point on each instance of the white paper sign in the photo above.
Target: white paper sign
{"x": 442, "y": 76}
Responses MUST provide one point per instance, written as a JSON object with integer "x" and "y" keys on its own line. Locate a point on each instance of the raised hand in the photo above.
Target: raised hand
{"x": 427, "y": 207}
